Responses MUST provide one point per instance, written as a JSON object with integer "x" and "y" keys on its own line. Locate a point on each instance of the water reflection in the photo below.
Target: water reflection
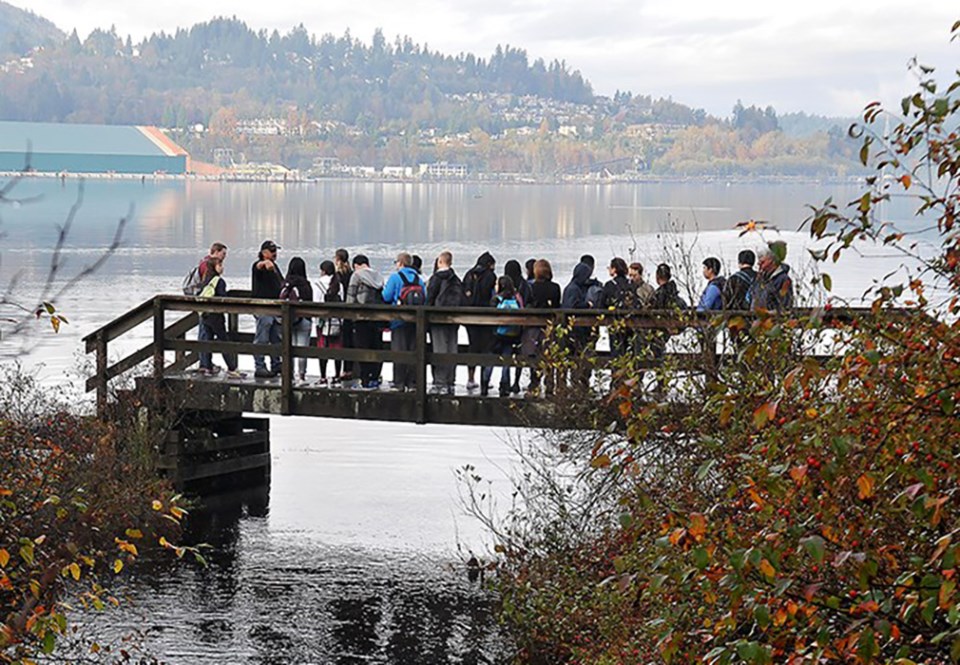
{"x": 270, "y": 599}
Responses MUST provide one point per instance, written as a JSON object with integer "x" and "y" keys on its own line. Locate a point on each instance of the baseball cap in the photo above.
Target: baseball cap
{"x": 270, "y": 245}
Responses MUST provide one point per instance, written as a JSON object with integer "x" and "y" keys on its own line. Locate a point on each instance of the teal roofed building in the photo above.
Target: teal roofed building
{"x": 59, "y": 148}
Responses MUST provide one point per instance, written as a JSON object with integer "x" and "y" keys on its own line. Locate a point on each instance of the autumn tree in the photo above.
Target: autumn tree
{"x": 797, "y": 504}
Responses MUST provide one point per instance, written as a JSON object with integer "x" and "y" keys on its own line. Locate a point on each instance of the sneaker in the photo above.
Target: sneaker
{"x": 263, "y": 373}
{"x": 235, "y": 374}
{"x": 372, "y": 385}
{"x": 213, "y": 370}
{"x": 450, "y": 390}
{"x": 472, "y": 385}
{"x": 303, "y": 378}
{"x": 336, "y": 381}
{"x": 515, "y": 389}
{"x": 322, "y": 381}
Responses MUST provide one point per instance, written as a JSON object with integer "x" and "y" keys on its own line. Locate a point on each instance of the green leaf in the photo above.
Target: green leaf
{"x": 761, "y": 614}
{"x": 827, "y": 281}
{"x": 49, "y": 642}
{"x": 705, "y": 468}
{"x": 700, "y": 558}
{"x": 815, "y": 547}
{"x": 947, "y": 404}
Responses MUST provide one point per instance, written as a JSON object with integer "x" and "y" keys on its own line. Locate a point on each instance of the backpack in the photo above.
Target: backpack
{"x": 508, "y": 330}
{"x": 471, "y": 288}
{"x": 748, "y": 294}
{"x": 625, "y": 296}
{"x": 210, "y": 289}
{"x": 290, "y": 293}
{"x": 451, "y": 293}
{"x": 411, "y": 293}
{"x": 595, "y": 294}
{"x": 193, "y": 283}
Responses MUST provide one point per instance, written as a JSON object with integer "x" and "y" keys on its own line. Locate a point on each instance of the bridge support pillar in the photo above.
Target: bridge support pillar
{"x": 211, "y": 452}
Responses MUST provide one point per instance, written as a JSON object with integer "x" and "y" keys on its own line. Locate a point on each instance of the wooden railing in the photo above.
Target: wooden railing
{"x": 172, "y": 337}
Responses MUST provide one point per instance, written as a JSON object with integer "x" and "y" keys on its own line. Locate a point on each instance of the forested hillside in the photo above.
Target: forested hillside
{"x": 186, "y": 77}
{"x": 20, "y": 31}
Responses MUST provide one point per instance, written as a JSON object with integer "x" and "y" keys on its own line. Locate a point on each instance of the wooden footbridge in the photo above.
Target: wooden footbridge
{"x": 217, "y": 435}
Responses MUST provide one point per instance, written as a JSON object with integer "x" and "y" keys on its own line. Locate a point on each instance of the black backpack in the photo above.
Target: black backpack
{"x": 451, "y": 293}
{"x": 412, "y": 292}
{"x": 471, "y": 288}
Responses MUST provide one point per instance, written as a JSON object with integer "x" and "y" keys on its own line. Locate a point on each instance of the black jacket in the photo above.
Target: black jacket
{"x": 445, "y": 289}
{"x": 266, "y": 283}
{"x": 737, "y": 289}
{"x": 575, "y": 293}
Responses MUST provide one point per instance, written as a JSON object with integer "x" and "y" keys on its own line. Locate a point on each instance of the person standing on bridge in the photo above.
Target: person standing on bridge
{"x": 736, "y": 292}
{"x": 773, "y": 288}
{"x": 479, "y": 287}
{"x": 712, "y": 297}
{"x": 217, "y": 251}
{"x": 341, "y": 261}
{"x": 296, "y": 288}
{"x": 445, "y": 290}
{"x": 404, "y": 287}
{"x": 366, "y": 288}
{"x": 212, "y": 324}
{"x": 266, "y": 284}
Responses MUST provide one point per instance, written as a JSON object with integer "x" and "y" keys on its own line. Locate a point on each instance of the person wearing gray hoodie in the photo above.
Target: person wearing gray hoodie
{"x": 366, "y": 288}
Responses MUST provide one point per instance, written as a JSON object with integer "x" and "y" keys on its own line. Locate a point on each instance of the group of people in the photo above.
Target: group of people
{"x": 768, "y": 286}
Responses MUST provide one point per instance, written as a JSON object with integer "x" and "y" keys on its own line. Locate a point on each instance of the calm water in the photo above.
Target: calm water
{"x": 354, "y": 555}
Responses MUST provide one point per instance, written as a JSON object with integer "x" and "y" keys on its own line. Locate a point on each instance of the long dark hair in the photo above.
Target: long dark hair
{"x": 512, "y": 270}
{"x": 505, "y": 287}
{"x": 297, "y": 268}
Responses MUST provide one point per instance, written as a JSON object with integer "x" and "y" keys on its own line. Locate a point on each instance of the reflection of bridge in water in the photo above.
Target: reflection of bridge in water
{"x": 214, "y": 438}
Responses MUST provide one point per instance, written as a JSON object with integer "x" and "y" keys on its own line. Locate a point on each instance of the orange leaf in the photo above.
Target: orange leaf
{"x": 4, "y": 558}
{"x": 625, "y": 409}
{"x": 677, "y": 536}
{"x": 799, "y": 474}
{"x": 698, "y": 526}
{"x": 906, "y": 180}
{"x": 767, "y": 569}
{"x": 864, "y": 487}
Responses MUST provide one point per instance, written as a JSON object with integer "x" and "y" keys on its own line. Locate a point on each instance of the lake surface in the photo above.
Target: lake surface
{"x": 355, "y": 555}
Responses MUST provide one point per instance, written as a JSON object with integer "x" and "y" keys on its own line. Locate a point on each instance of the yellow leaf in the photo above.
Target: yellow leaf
{"x": 177, "y": 512}
{"x": 157, "y": 505}
{"x": 164, "y": 542}
{"x": 94, "y": 648}
{"x": 811, "y": 413}
{"x": 4, "y": 558}
{"x": 864, "y": 487}
{"x": 39, "y": 540}
{"x": 134, "y": 533}
{"x": 117, "y": 566}
{"x": 600, "y": 462}
{"x": 74, "y": 571}
{"x": 766, "y": 568}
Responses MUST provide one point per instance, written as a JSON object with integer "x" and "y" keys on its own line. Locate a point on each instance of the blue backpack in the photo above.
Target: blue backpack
{"x": 508, "y": 330}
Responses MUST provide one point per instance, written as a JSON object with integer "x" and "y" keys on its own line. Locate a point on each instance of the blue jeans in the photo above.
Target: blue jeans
{"x": 268, "y": 332}
{"x": 301, "y": 337}
{"x": 203, "y": 335}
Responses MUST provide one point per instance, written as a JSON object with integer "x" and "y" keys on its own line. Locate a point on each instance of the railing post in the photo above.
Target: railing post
{"x": 158, "y": 338}
{"x": 421, "y": 366}
{"x": 286, "y": 360}
{"x": 101, "y": 374}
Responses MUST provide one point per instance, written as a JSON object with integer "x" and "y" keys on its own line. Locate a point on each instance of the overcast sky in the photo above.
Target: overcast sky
{"x": 822, "y": 56}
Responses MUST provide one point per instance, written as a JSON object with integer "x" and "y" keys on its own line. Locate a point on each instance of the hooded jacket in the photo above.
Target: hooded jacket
{"x": 480, "y": 282}
{"x": 575, "y": 293}
{"x": 365, "y": 287}
{"x": 773, "y": 292}
{"x": 394, "y": 287}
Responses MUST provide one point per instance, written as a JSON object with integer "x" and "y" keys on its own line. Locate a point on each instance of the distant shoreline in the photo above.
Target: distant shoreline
{"x": 483, "y": 179}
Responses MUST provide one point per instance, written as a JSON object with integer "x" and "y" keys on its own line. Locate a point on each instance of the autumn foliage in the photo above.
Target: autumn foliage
{"x": 80, "y": 501}
{"x": 802, "y": 506}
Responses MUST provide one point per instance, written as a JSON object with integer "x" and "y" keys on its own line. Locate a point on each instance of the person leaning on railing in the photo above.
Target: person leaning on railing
{"x": 212, "y": 324}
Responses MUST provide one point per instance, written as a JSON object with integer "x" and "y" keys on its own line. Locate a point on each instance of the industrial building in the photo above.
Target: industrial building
{"x": 94, "y": 149}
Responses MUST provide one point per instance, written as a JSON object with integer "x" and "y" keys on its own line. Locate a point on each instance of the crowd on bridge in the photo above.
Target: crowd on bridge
{"x": 768, "y": 286}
